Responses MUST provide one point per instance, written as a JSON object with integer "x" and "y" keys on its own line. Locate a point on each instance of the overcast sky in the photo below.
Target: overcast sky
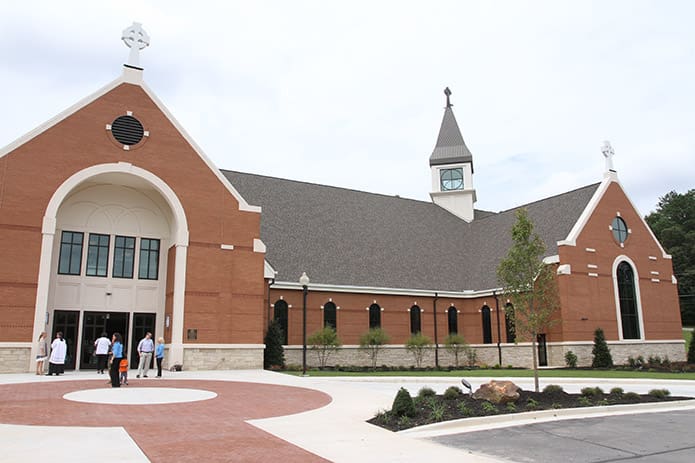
{"x": 350, "y": 93}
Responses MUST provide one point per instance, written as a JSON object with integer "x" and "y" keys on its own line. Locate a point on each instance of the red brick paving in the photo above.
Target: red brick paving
{"x": 211, "y": 430}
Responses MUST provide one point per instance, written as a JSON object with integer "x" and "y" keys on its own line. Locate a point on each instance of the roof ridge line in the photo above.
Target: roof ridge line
{"x": 549, "y": 197}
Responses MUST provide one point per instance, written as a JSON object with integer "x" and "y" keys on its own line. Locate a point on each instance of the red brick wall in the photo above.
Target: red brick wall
{"x": 233, "y": 314}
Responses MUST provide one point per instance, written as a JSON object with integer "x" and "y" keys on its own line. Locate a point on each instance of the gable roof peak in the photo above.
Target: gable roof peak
{"x": 450, "y": 147}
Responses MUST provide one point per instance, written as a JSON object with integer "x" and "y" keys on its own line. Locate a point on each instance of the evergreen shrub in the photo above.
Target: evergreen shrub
{"x": 601, "y": 353}
{"x": 403, "y": 404}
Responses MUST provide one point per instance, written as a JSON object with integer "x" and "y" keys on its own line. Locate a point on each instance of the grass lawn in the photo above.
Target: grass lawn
{"x": 513, "y": 373}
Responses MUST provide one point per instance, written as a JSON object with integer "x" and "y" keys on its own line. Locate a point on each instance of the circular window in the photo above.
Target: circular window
{"x": 619, "y": 230}
{"x": 127, "y": 130}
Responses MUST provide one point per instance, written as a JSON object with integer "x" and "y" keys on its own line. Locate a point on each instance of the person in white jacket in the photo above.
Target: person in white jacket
{"x": 59, "y": 349}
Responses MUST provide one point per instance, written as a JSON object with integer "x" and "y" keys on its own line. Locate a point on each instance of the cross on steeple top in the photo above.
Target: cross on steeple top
{"x": 136, "y": 39}
{"x": 447, "y": 92}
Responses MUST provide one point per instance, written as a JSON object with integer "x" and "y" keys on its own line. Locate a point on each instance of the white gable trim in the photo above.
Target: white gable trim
{"x": 134, "y": 77}
{"x": 588, "y": 211}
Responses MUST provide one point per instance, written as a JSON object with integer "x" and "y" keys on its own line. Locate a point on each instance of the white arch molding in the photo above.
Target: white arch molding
{"x": 638, "y": 297}
{"x": 179, "y": 240}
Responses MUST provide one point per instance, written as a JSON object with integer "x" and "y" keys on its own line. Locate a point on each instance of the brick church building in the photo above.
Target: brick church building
{"x": 113, "y": 219}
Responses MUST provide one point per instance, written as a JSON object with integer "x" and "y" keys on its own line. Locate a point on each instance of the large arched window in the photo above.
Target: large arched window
{"x": 453, "y": 319}
{"x": 487, "y": 325}
{"x": 509, "y": 322}
{"x": 280, "y": 315}
{"x": 415, "y": 326}
{"x": 374, "y": 316}
{"x": 627, "y": 298}
{"x": 330, "y": 317}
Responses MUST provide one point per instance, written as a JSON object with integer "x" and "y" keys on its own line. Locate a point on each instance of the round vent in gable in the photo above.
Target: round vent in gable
{"x": 127, "y": 130}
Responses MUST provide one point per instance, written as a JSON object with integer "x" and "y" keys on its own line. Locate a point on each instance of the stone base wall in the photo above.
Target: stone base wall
{"x": 620, "y": 351}
{"x": 222, "y": 358}
{"x": 16, "y": 360}
{"x": 516, "y": 355}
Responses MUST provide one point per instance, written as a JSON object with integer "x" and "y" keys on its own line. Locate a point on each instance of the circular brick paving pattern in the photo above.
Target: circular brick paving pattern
{"x": 212, "y": 430}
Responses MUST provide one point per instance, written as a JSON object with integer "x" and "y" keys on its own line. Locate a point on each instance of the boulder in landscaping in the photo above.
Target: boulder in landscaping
{"x": 497, "y": 392}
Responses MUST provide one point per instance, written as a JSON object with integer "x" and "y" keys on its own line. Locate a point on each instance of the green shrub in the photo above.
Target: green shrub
{"x": 274, "y": 354}
{"x": 556, "y": 405}
{"x": 691, "y": 349}
{"x": 660, "y": 393}
{"x": 570, "y": 359}
{"x": 437, "y": 411}
{"x": 489, "y": 408}
{"x": 418, "y": 344}
{"x": 584, "y": 401}
{"x": 404, "y": 422}
{"x": 631, "y": 396}
{"x": 464, "y": 409}
{"x": 456, "y": 345}
{"x": 511, "y": 406}
{"x": 324, "y": 342}
{"x": 531, "y": 403}
{"x": 603, "y": 402}
{"x": 617, "y": 391}
{"x": 403, "y": 404}
{"x": 552, "y": 388}
{"x": 372, "y": 342}
{"x": 591, "y": 391}
{"x": 602, "y": 355}
{"x": 654, "y": 360}
{"x": 426, "y": 392}
{"x": 453, "y": 392}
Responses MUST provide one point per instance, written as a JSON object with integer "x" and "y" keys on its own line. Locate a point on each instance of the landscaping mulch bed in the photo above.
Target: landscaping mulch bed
{"x": 436, "y": 408}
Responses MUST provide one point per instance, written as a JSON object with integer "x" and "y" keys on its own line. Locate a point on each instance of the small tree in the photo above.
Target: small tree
{"x": 372, "y": 342}
{"x": 691, "y": 349}
{"x": 529, "y": 284}
{"x": 403, "y": 403}
{"x": 456, "y": 345}
{"x": 417, "y": 345}
{"x": 274, "y": 354}
{"x": 324, "y": 342}
{"x": 602, "y": 356}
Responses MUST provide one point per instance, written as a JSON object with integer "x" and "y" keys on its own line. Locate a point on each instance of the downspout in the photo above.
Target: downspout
{"x": 436, "y": 337}
{"x": 497, "y": 308}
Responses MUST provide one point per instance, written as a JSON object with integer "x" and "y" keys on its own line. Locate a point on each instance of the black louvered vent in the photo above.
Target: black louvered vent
{"x": 127, "y": 130}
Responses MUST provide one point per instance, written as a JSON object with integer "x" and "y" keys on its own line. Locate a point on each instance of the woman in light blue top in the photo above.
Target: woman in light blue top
{"x": 159, "y": 354}
{"x": 116, "y": 356}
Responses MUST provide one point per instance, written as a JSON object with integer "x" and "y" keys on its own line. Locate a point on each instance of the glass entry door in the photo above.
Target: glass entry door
{"x": 67, "y": 322}
{"x": 143, "y": 323}
{"x": 95, "y": 323}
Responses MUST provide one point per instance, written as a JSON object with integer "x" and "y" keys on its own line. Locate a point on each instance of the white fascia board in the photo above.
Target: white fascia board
{"x": 268, "y": 270}
{"x": 552, "y": 259}
{"x": 466, "y": 294}
{"x": 62, "y": 116}
{"x": 243, "y": 205}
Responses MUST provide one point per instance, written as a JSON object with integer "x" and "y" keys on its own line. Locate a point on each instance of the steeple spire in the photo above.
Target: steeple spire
{"x": 450, "y": 147}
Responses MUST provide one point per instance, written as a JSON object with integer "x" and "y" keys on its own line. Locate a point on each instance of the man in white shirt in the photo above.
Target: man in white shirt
{"x": 145, "y": 349}
{"x": 101, "y": 350}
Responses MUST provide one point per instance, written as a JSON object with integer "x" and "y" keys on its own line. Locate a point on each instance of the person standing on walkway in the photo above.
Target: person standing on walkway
{"x": 145, "y": 350}
{"x": 59, "y": 350}
{"x": 41, "y": 353}
{"x": 102, "y": 346}
{"x": 116, "y": 356}
{"x": 159, "y": 353}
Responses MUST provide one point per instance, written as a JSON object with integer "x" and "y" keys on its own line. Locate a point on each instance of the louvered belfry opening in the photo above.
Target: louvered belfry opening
{"x": 127, "y": 130}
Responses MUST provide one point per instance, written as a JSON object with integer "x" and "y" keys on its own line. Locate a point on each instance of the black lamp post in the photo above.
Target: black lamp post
{"x": 304, "y": 281}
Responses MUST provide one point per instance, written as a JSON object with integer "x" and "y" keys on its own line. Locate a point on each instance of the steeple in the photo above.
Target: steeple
{"x": 452, "y": 168}
{"x": 450, "y": 147}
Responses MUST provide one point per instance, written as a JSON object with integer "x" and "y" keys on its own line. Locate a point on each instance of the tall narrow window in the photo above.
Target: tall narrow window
{"x": 70, "y": 261}
{"x": 97, "y": 255}
{"x": 453, "y": 319}
{"x": 149, "y": 259}
{"x": 509, "y": 323}
{"x": 628, "y": 301}
{"x": 280, "y": 316}
{"x": 487, "y": 325}
{"x": 415, "y": 320}
{"x": 330, "y": 316}
{"x": 123, "y": 256}
{"x": 374, "y": 316}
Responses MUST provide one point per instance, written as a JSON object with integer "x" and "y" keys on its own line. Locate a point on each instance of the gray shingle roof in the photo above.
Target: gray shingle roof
{"x": 347, "y": 237}
{"x": 450, "y": 147}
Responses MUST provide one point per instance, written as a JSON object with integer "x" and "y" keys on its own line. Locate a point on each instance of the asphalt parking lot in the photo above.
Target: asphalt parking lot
{"x": 665, "y": 437}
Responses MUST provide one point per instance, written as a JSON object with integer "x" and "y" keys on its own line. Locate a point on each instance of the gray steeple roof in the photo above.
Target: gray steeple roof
{"x": 450, "y": 147}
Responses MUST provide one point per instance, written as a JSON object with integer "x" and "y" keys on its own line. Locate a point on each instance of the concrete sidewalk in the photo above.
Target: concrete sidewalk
{"x": 337, "y": 431}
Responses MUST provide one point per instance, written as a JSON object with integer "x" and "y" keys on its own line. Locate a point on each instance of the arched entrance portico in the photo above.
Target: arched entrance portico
{"x": 122, "y": 220}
